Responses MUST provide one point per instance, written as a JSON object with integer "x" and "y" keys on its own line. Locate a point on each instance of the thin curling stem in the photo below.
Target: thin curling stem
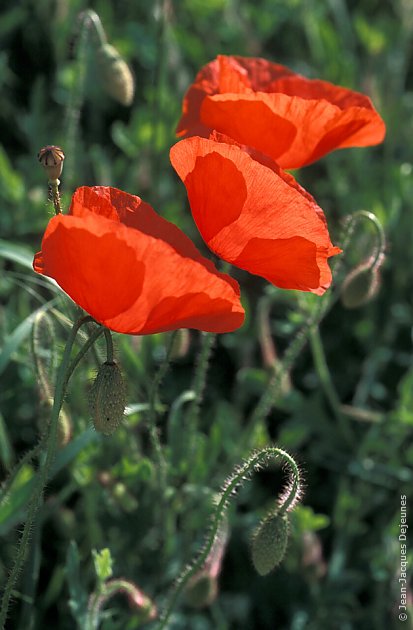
{"x": 153, "y": 431}
{"x": 381, "y": 239}
{"x": 109, "y": 589}
{"x": 324, "y": 376}
{"x": 198, "y": 386}
{"x": 109, "y": 345}
{"x": 55, "y": 195}
{"x": 64, "y": 373}
{"x": 361, "y": 215}
{"x": 91, "y": 18}
{"x": 241, "y": 474}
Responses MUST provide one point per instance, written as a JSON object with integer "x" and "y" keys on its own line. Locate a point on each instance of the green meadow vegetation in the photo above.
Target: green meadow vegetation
{"x": 126, "y": 520}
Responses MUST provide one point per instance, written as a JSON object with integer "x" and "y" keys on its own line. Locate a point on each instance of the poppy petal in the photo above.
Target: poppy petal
{"x": 134, "y": 280}
{"x": 279, "y": 233}
{"x": 293, "y": 119}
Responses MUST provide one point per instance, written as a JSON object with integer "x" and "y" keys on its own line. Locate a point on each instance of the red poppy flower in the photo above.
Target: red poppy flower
{"x": 254, "y": 215}
{"x": 265, "y": 105}
{"x": 133, "y": 271}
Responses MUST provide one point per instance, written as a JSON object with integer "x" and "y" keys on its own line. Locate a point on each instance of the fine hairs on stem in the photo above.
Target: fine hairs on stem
{"x": 208, "y": 341}
{"x": 152, "y": 428}
{"x": 65, "y": 371}
{"x": 237, "y": 479}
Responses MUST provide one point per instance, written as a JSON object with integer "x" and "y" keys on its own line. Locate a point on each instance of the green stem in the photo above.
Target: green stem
{"x": 237, "y": 479}
{"x": 153, "y": 430}
{"x": 64, "y": 373}
{"x": 294, "y": 490}
{"x": 158, "y": 85}
{"x": 109, "y": 589}
{"x": 326, "y": 382}
{"x": 55, "y": 195}
{"x": 76, "y": 100}
{"x": 109, "y": 345}
{"x": 198, "y": 387}
{"x": 91, "y": 18}
{"x": 26, "y": 459}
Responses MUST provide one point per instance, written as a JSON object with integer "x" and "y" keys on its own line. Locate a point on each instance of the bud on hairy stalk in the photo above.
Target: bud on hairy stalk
{"x": 51, "y": 158}
{"x": 361, "y": 285}
{"x": 116, "y": 76}
{"x": 108, "y": 398}
{"x": 269, "y": 542}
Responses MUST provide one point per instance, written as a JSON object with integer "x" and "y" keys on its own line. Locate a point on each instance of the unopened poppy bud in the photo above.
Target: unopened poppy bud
{"x": 108, "y": 398}
{"x": 116, "y": 75}
{"x": 270, "y": 543}
{"x": 360, "y": 286}
{"x": 51, "y": 158}
{"x": 201, "y": 590}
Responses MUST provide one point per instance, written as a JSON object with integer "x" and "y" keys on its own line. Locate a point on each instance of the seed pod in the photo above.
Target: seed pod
{"x": 360, "y": 286}
{"x": 51, "y": 158}
{"x": 107, "y": 398}
{"x": 269, "y": 543}
{"x": 116, "y": 75}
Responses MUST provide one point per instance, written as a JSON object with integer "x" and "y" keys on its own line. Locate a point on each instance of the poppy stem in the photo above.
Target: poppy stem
{"x": 55, "y": 195}
{"x": 327, "y": 384}
{"x": 113, "y": 587}
{"x": 65, "y": 371}
{"x": 90, "y": 18}
{"x": 208, "y": 341}
{"x": 153, "y": 430}
{"x": 109, "y": 345}
{"x": 76, "y": 99}
{"x": 236, "y": 480}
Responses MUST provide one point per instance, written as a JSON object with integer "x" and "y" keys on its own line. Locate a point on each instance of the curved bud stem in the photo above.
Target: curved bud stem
{"x": 107, "y": 590}
{"x": 91, "y": 18}
{"x": 109, "y": 345}
{"x": 361, "y": 215}
{"x": 239, "y": 476}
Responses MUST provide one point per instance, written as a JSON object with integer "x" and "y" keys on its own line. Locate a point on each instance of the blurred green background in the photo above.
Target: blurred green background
{"x": 343, "y": 560}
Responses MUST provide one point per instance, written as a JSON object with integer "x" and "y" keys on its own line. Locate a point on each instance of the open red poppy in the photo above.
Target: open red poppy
{"x": 265, "y": 105}
{"x": 132, "y": 270}
{"x": 254, "y": 215}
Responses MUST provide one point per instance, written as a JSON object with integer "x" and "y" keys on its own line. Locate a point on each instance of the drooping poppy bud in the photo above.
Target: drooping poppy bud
{"x": 108, "y": 398}
{"x": 116, "y": 76}
{"x": 269, "y": 542}
{"x": 360, "y": 286}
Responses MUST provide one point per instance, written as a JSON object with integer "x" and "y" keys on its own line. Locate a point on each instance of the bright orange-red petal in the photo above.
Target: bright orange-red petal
{"x": 274, "y": 229}
{"x": 133, "y": 271}
{"x": 286, "y": 116}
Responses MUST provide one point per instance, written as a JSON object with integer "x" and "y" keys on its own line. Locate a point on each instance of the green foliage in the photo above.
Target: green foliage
{"x": 345, "y": 408}
{"x": 103, "y": 564}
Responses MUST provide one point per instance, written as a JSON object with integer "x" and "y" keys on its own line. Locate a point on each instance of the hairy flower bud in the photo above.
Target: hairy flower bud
{"x": 270, "y": 542}
{"x": 108, "y": 398}
{"x": 51, "y": 158}
{"x": 116, "y": 75}
{"x": 360, "y": 286}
